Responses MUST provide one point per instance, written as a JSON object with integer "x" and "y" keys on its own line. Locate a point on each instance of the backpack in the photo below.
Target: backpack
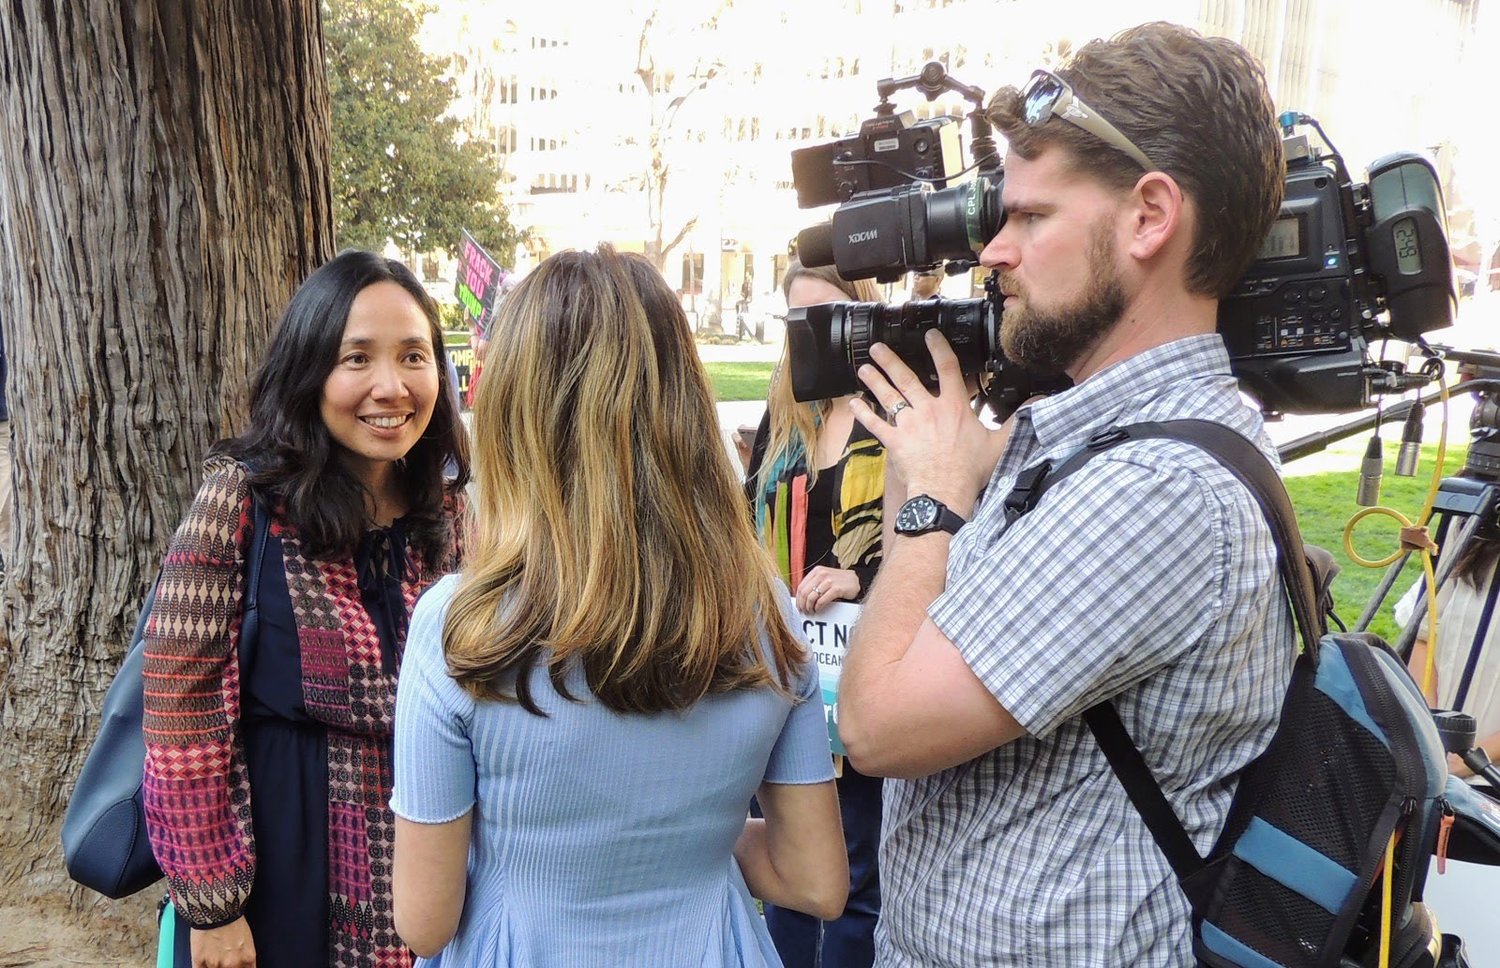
{"x": 1294, "y": 879}
{"x": 104, "y": 841}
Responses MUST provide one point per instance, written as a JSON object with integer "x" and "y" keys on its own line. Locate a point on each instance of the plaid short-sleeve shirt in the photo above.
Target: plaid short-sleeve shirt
{"x": 1149, "y": 577}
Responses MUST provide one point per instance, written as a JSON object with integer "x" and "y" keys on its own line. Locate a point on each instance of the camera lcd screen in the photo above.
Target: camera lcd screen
{"x": 1284, "y": 241}
{"x": 1408, "y": 253}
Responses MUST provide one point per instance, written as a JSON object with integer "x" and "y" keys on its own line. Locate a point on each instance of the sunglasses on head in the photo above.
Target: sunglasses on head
{"x": 1048, "y": 96}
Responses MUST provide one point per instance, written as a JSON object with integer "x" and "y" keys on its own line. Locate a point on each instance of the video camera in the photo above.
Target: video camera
{"x": 904, "y": 206}
{"x": 1344, "y": 264}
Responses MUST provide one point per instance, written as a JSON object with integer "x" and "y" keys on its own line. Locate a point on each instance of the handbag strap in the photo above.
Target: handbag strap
{"x": 260, "y": 520}
{"x": 1243, "y": 459}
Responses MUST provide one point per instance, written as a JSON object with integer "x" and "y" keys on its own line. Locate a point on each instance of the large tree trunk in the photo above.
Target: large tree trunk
{"x": 164, "y": 186}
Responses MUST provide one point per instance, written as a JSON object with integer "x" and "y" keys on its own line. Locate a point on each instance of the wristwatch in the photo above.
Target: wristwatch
{"x": 923, "y": 514}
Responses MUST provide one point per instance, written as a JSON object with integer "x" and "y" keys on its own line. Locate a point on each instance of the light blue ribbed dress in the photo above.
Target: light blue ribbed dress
{"x": 600, "y": 838}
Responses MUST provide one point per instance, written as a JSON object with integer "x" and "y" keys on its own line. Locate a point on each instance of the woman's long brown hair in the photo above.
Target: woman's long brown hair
{"x": 611, "y": 531}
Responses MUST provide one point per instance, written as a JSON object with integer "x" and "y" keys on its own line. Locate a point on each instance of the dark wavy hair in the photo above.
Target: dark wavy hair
{"x": 288, "y": 448}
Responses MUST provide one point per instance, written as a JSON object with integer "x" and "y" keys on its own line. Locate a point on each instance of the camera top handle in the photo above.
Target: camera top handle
{"x": 932, "y": 81}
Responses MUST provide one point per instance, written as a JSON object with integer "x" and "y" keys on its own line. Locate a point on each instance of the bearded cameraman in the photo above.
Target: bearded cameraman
{"x": 1148, "y": 577}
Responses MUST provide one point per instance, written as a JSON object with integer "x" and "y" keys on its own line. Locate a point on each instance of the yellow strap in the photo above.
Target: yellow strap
{"x": 1385, "y": 903}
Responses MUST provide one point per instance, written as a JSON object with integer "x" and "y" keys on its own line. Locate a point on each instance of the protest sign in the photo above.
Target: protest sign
{"x": 478, "y": 281}
{"x": 826, "y": 633}
{"x": 462, "y": 356}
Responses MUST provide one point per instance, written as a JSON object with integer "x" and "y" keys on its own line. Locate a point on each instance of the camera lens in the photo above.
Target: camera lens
{"x": 961, "y": 220}
{"x": 829, "y": 342}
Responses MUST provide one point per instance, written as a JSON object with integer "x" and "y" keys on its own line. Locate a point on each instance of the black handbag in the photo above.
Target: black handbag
{"x": 104, "y": 829}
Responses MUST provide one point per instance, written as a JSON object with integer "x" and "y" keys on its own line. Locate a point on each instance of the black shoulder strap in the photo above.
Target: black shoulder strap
{"x": 1145, "y": 793}
{"x": 260, "y": 520}
{"x": 1250, "y": 467}
{"x": 1241, "y": 458}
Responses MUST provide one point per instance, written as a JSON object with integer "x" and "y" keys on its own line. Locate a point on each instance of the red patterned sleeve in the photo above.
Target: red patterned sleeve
{"x": 197, "y": 792}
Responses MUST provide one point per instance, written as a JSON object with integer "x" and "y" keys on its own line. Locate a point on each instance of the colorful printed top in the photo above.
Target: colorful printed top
{"x": 835, "y": 522}
{"x": 337, "y": 636}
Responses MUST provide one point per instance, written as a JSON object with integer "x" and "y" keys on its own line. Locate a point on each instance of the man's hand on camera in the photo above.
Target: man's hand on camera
{"x": 936, "y": 443}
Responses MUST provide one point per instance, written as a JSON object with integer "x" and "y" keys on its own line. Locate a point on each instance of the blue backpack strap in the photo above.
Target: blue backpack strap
{"x": 1250, "y": 467}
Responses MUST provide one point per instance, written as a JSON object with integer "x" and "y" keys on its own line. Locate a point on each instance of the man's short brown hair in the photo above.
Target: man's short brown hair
{"x": 1199, "y": 108}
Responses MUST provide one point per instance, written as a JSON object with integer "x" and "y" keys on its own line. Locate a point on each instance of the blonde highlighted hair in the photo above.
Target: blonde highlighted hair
{"x": 792, "y": 423}
{"x": 611, "y": 533}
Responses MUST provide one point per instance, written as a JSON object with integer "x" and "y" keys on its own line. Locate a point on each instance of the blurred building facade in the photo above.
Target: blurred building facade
{"x": 669, "y": 125}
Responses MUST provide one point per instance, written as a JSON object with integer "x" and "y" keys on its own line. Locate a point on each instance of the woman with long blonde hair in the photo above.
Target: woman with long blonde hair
{"x": 816, "y": 481}
{"x": 586, "y": 709}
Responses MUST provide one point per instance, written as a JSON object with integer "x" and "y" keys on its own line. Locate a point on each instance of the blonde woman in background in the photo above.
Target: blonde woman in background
{"x": 816, "y": 481}
{"x": 587, "y": 708}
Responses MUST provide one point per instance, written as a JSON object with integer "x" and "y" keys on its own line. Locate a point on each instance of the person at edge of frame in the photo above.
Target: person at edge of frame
{"x": 1466, "y": 673}
{"x": 1147, "y": 578}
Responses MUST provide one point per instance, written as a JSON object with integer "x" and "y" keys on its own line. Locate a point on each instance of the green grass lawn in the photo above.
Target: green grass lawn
{"x": 739, "y": 381}
{"x": 1325, "y": 502}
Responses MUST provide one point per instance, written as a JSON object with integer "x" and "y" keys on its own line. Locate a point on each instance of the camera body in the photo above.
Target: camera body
{"x": 884, "y": 235}
{"x": 926, "y": 219}
{"x": 890, "y": 150}
{"x": 1342, "y": 265}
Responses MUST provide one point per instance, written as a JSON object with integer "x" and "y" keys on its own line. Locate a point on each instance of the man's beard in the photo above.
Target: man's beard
{"x": 1051, "y": 340}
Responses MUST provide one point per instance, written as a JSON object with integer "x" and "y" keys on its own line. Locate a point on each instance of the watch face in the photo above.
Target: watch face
{"x": 917, "y": 515}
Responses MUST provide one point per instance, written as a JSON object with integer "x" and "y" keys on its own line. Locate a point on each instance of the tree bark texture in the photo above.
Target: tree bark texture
{"x": 164, "y": 187}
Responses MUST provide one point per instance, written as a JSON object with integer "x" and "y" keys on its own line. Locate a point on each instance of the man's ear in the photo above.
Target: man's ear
{"x": 1158, "y": 212}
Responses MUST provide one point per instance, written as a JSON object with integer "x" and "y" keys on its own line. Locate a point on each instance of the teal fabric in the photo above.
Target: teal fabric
{"x": 784, "y": 462}
{"x": 166, "y": 939}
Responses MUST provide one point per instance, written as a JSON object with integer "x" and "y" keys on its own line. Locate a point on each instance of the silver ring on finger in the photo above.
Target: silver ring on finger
{"x": 895, "y": 408}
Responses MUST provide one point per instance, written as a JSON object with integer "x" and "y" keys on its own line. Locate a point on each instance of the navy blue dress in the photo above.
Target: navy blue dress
{"x": 286, "y": 753}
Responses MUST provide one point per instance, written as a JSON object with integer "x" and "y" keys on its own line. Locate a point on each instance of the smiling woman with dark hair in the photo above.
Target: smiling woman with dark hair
{"x": 266, "y": 786}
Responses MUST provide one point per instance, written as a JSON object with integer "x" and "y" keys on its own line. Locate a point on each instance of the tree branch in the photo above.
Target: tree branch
{"x": 682, "y": 233}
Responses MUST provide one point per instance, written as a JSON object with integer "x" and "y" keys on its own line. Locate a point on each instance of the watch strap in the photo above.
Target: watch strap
{"x": 947, "y": 520}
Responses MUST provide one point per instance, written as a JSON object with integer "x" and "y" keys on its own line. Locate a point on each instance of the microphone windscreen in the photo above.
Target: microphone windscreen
{"x": 815, "y": 245}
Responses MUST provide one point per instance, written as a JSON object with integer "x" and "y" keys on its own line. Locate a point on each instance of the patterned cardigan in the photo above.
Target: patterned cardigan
{"x": 197, "y": 793}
